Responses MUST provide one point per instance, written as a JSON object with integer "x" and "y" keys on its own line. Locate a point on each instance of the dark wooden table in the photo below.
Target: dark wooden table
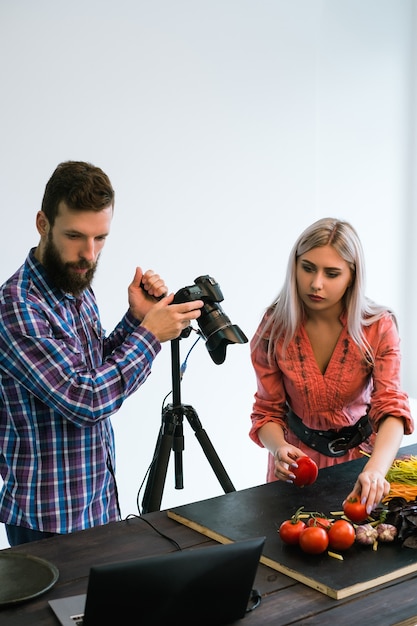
{"x": 284, "y": 600}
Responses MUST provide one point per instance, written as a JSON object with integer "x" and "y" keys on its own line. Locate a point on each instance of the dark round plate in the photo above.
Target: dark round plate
{"x": 23, "y": 577}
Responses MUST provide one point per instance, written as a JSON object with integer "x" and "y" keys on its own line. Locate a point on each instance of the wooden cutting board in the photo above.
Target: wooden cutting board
{"x": 260, "y": 510}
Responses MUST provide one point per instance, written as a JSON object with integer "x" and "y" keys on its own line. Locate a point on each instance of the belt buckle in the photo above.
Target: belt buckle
{"x": 334, "y": 446}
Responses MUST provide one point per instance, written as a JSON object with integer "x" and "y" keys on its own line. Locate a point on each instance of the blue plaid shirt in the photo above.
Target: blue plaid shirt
{"x": 60, "y": 381}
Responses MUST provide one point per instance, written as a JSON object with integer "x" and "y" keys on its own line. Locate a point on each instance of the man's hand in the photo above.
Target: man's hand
{"x": 154, "y": 309}
{"x": 144, "y": 290}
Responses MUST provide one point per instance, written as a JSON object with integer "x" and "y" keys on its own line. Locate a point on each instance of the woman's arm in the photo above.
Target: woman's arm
{"x": 371, "y": 485}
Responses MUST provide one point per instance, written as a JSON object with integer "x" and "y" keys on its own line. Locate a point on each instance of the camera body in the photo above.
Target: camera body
{"x": 205, "y": 288}
{"x": 215, "y": 326}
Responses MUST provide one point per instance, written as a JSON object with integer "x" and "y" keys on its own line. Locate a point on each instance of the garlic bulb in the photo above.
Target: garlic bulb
{"x": 386, "y": 532}
{"x": 366, "y": 534}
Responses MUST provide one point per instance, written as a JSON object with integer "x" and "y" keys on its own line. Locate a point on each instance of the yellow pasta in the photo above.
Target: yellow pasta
{"x": 403, "y": 471}
{"x": 402, "y": 476}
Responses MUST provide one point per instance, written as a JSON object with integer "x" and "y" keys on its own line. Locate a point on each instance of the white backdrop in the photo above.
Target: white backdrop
{"x": 226, "y": 127}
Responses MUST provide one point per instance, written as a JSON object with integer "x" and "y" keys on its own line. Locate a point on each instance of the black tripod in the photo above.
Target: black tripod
{"x": 171, "y": 437}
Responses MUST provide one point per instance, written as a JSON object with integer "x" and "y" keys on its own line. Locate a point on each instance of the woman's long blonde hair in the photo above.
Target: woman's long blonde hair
{"x": 286, "y": 312}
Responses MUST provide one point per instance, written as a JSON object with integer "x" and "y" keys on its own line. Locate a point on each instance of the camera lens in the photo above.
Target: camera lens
{"x": 215, "y": 326}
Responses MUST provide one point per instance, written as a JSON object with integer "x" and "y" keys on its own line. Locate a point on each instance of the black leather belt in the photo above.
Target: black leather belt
{"x": 330, "y": 442}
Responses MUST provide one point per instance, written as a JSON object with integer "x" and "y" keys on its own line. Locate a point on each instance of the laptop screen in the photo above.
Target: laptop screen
{"x": 210, "y": 585}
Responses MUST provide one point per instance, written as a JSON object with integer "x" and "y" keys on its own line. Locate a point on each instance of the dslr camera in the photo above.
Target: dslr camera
{"x": 215, "y": 327}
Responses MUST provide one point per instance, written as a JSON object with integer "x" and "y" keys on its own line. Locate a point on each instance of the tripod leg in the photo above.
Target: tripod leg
{"x": 157, "y": 475}
{"x": 178, "y": 447}
{"x": 208, "y": 449}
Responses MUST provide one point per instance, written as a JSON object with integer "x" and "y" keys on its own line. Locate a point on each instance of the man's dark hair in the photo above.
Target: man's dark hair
{"x": 82, "y": 186}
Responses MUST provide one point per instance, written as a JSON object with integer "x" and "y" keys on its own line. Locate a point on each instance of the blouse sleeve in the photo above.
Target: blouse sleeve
{"x": 270, "y": 397}
{"x": 387, "y": 396}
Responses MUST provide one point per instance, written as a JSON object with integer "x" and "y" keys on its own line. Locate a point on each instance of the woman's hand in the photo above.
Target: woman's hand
{"x": 371, "y": 487}
{"x": 285, "y": 457}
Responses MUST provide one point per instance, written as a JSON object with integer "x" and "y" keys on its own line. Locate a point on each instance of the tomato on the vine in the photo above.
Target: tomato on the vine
{"x": 290, "y": 530}
{"x": 355, "y": 510}
{"x": 341, "y": 535}
{"x": 314, "y": 540}
{"x": 306, "y": 472}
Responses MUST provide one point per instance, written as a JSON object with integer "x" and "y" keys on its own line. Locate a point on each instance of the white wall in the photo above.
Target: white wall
{"x": 226, "y": 127}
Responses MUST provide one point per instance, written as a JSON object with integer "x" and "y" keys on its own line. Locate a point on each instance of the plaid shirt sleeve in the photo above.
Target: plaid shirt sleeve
{"x": 57, "y": 356}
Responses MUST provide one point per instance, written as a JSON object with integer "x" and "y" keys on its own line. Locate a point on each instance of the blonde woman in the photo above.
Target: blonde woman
{"x": 327, "y": 364}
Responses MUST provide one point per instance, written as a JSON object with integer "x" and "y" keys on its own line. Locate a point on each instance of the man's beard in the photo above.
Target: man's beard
{"x": 62, "y": 274}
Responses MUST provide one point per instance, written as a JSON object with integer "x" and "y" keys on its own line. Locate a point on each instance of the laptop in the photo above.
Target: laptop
{"x": 211, "y": 585}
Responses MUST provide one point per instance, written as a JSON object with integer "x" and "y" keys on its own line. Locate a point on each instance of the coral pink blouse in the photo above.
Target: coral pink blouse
{"x": 348, "y": 389}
